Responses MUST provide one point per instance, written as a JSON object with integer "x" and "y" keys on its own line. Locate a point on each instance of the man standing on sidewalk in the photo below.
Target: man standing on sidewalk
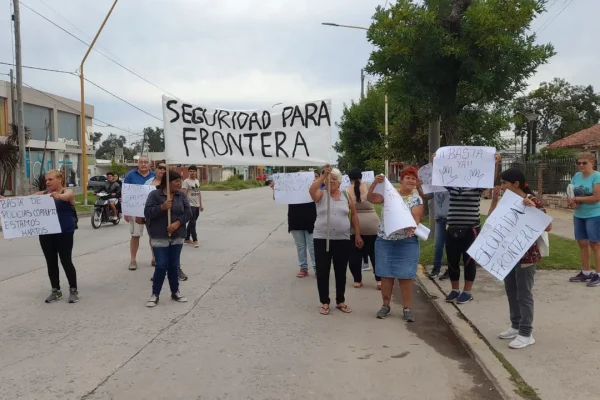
{"x": 138, "y": 176}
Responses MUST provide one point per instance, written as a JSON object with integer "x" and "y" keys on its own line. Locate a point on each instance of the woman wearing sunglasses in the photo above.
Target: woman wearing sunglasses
{"x": 586, "y": 218}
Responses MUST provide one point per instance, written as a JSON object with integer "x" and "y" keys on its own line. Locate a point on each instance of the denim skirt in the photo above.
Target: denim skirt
{"x": 397, "y": 258}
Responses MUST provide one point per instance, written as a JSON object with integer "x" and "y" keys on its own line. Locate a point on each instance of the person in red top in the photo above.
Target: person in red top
{"x": 519, "y": 282}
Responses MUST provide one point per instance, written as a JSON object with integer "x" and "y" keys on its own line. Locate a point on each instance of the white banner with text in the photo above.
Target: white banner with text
{"x": 507, "y": 234}
{"x": 425, "y": 175}
{"x": 292, "y": 188}
{"x": 367, "y": 177}
{"x": 29, "y": 216}
{"x": 294, "y": 135}
{"x": 464, "y": 166}
{"x": 133, "y": 199}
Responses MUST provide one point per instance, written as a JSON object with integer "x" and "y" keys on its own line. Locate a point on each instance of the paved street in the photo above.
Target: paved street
{"x": 251, "y": 330}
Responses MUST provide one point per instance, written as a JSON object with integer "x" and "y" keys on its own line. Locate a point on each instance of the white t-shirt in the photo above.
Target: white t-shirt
{"x": 193, "y": 191}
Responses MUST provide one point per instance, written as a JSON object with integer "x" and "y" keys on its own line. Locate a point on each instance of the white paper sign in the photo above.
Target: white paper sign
{"x": 367, "y": 177}
{"x": 396, "y": 214}
{"x": 29, "y": 216}
{"x": 295, "y": 135}
{"x": 425, "y": 176}
{"x": 422, "y": 232}
{"x": 133, "y": 199}
{"x": 508, "y": 233}
{"x": 292, "y": 188}
{"x": 464, "y": 166}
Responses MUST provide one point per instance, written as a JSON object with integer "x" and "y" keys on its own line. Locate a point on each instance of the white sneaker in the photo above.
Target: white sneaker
{"x": 366, "y": 267}
{"x": 521, "y": 342}
{"x": 510, "y": 333}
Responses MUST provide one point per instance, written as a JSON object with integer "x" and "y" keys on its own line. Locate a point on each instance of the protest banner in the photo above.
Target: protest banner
{"x": 464, "y": 166}
{"x": 367, "y": 177}
{"x": 292, "y": 188}
{"x": 295, "y": 135}
{"x": 507, "y": 234}
{"x": 133, "y": 199}
{"x": 425, "y": 173}
{"x": 29, "y": 216}
{"x": 396, "y": 214}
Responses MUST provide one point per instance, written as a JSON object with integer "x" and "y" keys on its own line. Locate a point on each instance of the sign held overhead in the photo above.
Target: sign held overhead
{"x": 295, "y": 135}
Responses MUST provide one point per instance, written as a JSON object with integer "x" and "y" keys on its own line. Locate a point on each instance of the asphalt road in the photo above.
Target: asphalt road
{"x": 251, "y": 330}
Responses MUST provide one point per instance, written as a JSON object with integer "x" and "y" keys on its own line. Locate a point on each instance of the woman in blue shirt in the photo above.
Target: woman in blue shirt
{"x": 585, "y": 199}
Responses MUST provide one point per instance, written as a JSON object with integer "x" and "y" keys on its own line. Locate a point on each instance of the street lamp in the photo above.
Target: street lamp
{"x": 532, "y": 117}
{"x": 84, "y": 167}
{"x": 386, "y": 161}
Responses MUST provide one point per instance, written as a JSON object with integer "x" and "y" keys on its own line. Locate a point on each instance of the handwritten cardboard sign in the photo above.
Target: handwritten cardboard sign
{"x": 292, "y": 188}
{"x": 367, "y": 177}
{"x": 29, "y": 216}
{"x": 396, "y": 214}
{"x": 133, "y": 199}
{"x": 295, "y": 135}
{"x": 425, "y": 175}
{"x": 508, "y": 233}
{"x": 464, "y": 166}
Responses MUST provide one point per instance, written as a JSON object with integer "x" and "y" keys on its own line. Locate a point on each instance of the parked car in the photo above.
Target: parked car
{"x": 96, "y": 182}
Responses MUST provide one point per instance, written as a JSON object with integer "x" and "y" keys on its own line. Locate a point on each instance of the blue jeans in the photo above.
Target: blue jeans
{"x": 167, "y": 264}
{"x": 439, "y": 242}
{"x": 304, "y": 241}
{"x": 587, "y": 229}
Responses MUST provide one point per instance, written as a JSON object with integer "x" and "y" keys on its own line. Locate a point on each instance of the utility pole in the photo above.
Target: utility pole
{"x": 24, "y": 190}
{"x": 434, "y": 145}
{"x": 13, "y": 98}
{"x": 386, "y": 161}
{"x": 84, "y": 162}
{"x": 362, "y": 84}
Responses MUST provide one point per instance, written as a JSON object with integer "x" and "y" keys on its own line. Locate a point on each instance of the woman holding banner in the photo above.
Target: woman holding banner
{"x": 333, "y": 226}
{"x": 519, "y": 282}
{"x": 60, "y": 245}
{"x": 397, "y": 255}
{"x": 301, "y": 224}
{"x": 369, "y": 223}
{"x": 167, "y": 239}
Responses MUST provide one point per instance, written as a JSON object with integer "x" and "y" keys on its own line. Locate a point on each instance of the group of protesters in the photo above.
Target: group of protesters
{"x": 342, "y": 228}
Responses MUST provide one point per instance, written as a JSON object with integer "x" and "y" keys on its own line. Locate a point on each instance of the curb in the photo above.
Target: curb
{"x": 472, "y": 340}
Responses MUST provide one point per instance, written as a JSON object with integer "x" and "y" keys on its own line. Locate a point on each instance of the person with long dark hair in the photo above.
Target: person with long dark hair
{"x": 191, "y": 188}
{"x": 301, "y": 224}
{"x": 519, "y": 282}
{"x": 167, "y": 239}
{"x": 369, "y": 225}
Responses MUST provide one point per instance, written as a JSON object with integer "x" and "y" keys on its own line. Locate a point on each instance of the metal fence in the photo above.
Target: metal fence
{"x": 555, "y": 174}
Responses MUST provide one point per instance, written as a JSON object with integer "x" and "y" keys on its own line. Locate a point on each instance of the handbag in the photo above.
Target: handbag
{"x": 543, "y": 243}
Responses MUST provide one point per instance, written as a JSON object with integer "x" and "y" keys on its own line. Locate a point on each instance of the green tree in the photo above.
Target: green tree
{"x": 118, "y": 168}
{"x": 447, "y": 55}
{"x": 9, "y": 155}
{"x": 96, "y": 137}
{"x": 564, "y": 109}
{"x": 153, "y": 141}
{"x": 107, "y": 148}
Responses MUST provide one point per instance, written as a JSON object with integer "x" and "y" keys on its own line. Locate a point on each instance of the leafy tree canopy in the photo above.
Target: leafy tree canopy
{"x": 107, "y": 148}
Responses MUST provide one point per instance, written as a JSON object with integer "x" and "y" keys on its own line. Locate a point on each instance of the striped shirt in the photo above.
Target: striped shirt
{"x": 463, "y": 209}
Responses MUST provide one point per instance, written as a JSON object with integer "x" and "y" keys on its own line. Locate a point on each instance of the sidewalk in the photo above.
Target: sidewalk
{"x": 562, "y": 225}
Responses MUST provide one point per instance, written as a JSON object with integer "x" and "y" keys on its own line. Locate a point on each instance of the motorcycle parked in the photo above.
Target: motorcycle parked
{"x": 102, "y": 212}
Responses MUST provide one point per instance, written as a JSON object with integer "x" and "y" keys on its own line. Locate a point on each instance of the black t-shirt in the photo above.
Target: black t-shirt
{"x": 302, "y": 217}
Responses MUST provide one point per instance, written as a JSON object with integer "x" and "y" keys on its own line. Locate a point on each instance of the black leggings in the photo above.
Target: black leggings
{"x": 339, "y": 251}
{"x": 191, "y": 227}
{"x": 358, "y": 255}
{"x": 458, "y": 242}
{"x": 59, "y": 245}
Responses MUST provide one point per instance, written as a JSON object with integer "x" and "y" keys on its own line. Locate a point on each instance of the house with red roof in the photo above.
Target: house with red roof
{"x": 585, "y": 140}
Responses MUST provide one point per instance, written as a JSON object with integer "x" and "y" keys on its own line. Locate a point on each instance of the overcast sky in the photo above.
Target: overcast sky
{"x": 239, "y": 54}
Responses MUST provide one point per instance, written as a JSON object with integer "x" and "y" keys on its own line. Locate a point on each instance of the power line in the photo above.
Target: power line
{"x": 549, "y": 22}
{"x": 95, "y": 84}
{"x": 98, "y": 51}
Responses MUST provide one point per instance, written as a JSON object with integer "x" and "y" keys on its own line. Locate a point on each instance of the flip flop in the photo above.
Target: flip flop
{"x": 344, "y": 308}
{"x": 324, "y": 311}
{"x": 357, "y": 285}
